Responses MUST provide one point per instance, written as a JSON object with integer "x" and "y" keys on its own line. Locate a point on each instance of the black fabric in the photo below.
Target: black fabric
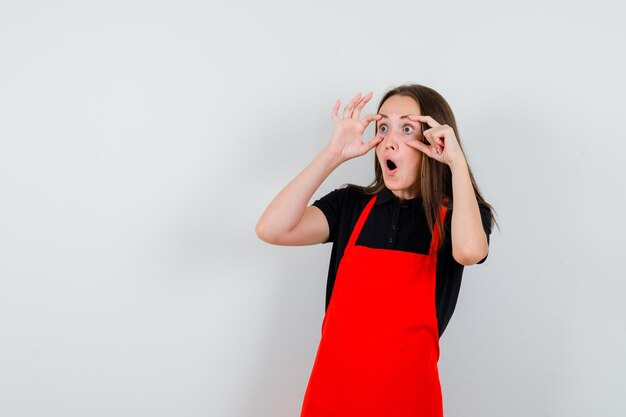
{"x": 396, "y": 225}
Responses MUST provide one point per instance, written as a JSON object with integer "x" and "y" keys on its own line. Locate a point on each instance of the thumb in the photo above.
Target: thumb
{"x": 420, "y": 146}
{"x": 372, "y": 143}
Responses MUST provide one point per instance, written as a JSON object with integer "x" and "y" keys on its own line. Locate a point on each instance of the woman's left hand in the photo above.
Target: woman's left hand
{"x": 443, "y": 147}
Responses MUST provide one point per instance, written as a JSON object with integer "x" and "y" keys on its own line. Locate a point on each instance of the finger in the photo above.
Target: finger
{"x": 435, "y": 141}
{"x": 420, "y": 118}
{"x": 372, "y": 144}
{"x": 430, "y": 151}
{"x": 438, "y": 154}
{"x": 434, "y": 136}
{"x": 357, "y": 110}
{"x": 428, "y": 136}
{"x": 420, "y": 146}
{"x": 369, "y": 119}
{"x": 350, "y": 106}
{"x": 437, "y": 147}
{"x": 335, "y": 111}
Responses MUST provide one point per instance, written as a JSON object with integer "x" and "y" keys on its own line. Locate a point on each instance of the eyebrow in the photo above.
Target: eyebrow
{"x": 402, "y": 117}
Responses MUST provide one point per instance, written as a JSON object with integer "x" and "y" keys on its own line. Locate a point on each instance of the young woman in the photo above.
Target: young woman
{"x": 399, "y": 248}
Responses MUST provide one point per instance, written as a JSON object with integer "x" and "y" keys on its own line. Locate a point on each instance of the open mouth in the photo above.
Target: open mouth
{"x": 391, "y": 165}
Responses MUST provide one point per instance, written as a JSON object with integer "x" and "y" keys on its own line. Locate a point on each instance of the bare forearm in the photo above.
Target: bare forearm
{"x": 287, "y": 208}
{"x": 469, "y": 242}
{"x": 282, "y": 221}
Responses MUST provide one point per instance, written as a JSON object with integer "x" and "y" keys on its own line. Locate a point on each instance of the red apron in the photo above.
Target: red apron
{"x": 379, "y": 348}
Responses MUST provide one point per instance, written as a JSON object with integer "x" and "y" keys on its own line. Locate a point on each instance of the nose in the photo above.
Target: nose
{"x": 389, "y": 141}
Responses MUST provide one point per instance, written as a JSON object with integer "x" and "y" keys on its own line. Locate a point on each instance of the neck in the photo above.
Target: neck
{"x": 407, "y": 194}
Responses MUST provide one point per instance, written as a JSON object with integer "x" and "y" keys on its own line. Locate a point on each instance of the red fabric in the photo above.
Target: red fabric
{"x": 379, "y": 348}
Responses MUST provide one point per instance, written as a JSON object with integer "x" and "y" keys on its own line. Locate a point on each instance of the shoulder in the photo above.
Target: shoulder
{"x": 340, "y": 207}
{"x": 485, "y": 215}
{"x": 347, "y": 196}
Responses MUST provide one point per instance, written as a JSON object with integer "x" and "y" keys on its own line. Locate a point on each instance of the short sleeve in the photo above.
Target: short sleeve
{"x": 485, "y": 215}
{"x": 331, "y": 205}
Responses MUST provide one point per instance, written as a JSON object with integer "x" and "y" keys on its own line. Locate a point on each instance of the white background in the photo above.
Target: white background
{"x": 141, "y": 141}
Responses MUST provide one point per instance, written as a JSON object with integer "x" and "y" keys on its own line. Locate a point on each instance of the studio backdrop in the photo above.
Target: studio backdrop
{"x": 140, "y": 142}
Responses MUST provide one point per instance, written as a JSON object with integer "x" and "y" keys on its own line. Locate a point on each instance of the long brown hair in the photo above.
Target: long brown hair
{"x": 435, "y": 177}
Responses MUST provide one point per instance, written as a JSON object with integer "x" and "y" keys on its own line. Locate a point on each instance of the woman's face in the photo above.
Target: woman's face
{"x": 400, "y": 162}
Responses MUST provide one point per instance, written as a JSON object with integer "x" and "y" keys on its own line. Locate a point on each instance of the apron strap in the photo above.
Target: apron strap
{"x": 359, "y": 224}
{"x": 435, "y": 239}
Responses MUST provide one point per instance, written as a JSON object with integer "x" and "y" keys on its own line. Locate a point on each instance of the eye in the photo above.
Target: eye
{"x": 382, "y": 129}
{"x": 408, "y": 129}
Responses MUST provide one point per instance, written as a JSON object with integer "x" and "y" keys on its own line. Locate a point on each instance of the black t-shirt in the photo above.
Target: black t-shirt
{"x": 396, "y": 225}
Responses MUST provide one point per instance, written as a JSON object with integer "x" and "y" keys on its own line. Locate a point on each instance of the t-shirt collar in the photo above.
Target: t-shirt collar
{"x": 386, "y": 195}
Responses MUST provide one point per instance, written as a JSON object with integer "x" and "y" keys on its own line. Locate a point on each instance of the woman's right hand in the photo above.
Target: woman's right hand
{"x": 347, "y": 139}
